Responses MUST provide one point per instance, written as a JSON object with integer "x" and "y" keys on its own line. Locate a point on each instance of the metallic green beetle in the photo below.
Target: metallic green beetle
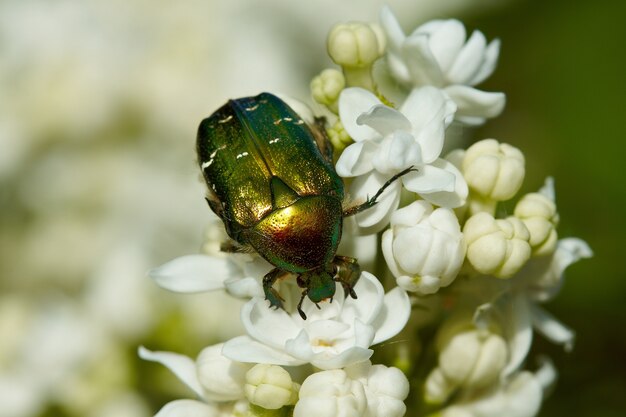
{"x": 271, "y": 180}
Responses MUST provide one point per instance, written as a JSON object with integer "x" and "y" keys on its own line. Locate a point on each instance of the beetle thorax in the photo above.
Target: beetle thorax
{"x": 300, "y": 237}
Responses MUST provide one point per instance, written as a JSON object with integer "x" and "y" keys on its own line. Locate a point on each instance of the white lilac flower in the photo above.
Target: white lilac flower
{"x": 388, "y": 141}
{"x": 497, "y": 247}
{"x": 424, "y": 247}
{"x": 336, "y": 335}
{"x": 218, "y": 382}
{"x": 519, "y": 396}
{"x": 359, "y": 390}
{"x": 470, "y": 356}
{"x": 541, "y": 279}
{"x": 438, "y": 54}
{"x": 386, "y": 388}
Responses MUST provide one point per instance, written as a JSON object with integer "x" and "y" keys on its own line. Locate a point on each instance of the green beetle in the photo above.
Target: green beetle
{"x": 271, "y": 180}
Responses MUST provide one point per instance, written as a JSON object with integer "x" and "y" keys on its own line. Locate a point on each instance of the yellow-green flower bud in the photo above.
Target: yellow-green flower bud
{"x": 325, "y": 88}
{"x": 493, "y": 170}
{"x": 270, "y": 387}
{"x": 538, "y": 212}
{"x": 496, "y": 247}
{"x": 339, "y": 137}
{"x": 353, "y": 45}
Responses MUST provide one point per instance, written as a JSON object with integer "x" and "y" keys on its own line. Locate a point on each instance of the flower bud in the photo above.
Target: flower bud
{"x": 270, "y": 387}
{"x": 468, "y": 358}
{"x": 493, "y": 170}
{"x": 326, "y": 87}
{"x": 424, "y": 248}
{"x": 496, "y": 247}
{"x": 329, "y": 394}
{"x": 354, "y": 45}
{"x": 339, "y": 137}
{"x": 538, "y": 212}
{"x": 221, "y": 378}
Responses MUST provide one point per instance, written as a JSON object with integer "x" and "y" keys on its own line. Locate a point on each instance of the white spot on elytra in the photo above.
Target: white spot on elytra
{"x": 253, "y": 108}
{"x": 274, "y": 140}
{"x": 225, "y": 120}
{"x": 241, "y": 155}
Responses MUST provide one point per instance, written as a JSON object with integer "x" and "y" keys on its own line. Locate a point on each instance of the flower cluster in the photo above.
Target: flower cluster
{"x": 450, "y": 260}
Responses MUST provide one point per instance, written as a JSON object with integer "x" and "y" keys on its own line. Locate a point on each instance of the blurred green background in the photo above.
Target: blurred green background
{"x": 99, "y": 103}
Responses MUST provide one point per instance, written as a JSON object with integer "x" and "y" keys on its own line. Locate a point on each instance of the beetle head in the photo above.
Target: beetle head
{"x": 320, "y": 285}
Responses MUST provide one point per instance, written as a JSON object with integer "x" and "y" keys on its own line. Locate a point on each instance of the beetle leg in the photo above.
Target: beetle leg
{"x": 270, "y": 293}
{"x": 348, "y": 273}
{"x": 304, "y": 293}
{"x": 350, "y": 211}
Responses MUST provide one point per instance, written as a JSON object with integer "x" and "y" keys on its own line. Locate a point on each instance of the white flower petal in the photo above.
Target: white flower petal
{"x": 244, "y": 288}
{"x": 449, "y": 199}
{"x": 421, "y": 63}
{"x": 393, "y": 316}
{"x": 468, "y": 62}
{"x": 429, "y": 110}
{"x": 429, "y": 179}
{"x": 248, "y": 350}
{"x": 489, "y": 63}
{"x": 352, "y": 103}
{"x": 345, "y": 358}
{"x": 389, "y": 23}
{"x": 188, "y": 408}
{"x": 182, "y": 366}
{"x": 551, "y": 328}
{"x": 367, "y": 306}
{"x": 570, "y": 250}
{"x": 267, "y": 325}
{"x": 193, "y": 273}
{"x": 397, "y": 152}
{"x": 445, "y": 40}
{"x": 519, "y": 334}
{"x": 375, "y": 218}
{"x": 356, "y": 159}
{"x": 475, "y": 103}
{"x": 384, "y": 120}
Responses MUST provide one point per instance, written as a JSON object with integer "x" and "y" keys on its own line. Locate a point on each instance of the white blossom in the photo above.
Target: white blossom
{"x": 336, "y": 335}
{"x": 386, "y": 388}
{"x": 424, "y": 248}
{"x": 438, "y": 54}
{"x": 331, "y": 393}
{"x": 520, "y": 396}
{"x": 497, "y": 247}
{"x": 470, "y": 357}
{"x": 213, "y": 377}
{"x": 388, "y": 141}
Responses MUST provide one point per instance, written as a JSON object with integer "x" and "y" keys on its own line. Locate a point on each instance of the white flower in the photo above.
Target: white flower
{"x": 493, "y": 170}
{"x": 388, "y": 141}
{"x": 358, "y": 390}
{"x": 470, "y": 357}
{"x": 520, "y": 396}
{"x": 213, "y": 377}
{"x": 270, "y": 387}
{"x": 496, "y": 247}
{"x": 239, "y": 274}
{"x": 538, "y": 212}
{"x": 541, "y": 279}
{"x": 437, "y": 54}
{"x": 334, "y": 336}
{"x": 424, "y": 247}
{"x": 331, "y": 394}
{"x": 386, "y": 388}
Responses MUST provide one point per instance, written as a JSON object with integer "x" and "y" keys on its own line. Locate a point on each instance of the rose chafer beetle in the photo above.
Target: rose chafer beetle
{"x": 271, "y": 180}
